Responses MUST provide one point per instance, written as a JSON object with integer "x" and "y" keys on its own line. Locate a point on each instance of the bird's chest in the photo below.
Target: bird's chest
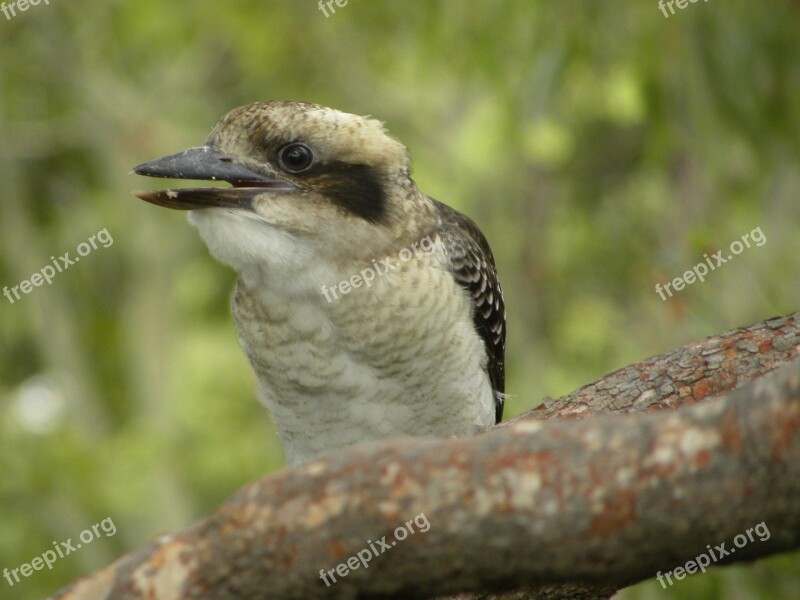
{"x": 348, "y": 345}
{"x": 388, "y": 359}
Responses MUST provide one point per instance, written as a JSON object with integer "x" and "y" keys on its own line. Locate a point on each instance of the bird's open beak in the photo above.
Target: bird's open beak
{"x": 206, "y": 163}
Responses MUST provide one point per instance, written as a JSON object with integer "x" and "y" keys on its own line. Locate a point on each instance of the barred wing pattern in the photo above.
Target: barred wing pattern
{"x": 472, "y": 265}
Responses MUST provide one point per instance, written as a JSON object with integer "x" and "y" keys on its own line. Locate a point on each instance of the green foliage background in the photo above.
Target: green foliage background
{"x": 601, "y": 146}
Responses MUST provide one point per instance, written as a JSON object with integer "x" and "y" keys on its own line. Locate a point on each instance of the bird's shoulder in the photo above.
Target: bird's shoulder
{"x": 472, "y": 265}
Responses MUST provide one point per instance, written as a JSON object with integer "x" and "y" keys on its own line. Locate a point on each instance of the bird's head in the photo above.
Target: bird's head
{"x": 309, "y": 183}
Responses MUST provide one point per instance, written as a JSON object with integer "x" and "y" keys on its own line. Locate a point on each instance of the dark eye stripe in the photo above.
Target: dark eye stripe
{"x": 359, "y": 189}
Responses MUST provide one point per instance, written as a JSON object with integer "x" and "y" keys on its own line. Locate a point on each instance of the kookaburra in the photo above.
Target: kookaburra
{"x": 366, "y": 308}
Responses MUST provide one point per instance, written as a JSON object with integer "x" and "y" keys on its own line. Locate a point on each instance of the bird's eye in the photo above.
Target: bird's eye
{"x": 295, "y": 157}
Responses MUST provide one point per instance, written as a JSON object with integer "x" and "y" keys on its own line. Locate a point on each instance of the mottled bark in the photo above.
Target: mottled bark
{"x": 589, "y": 504}
{"x": 687, "y": 375}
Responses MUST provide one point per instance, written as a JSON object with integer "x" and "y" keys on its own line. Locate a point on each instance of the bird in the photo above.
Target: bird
{"x": 366, "y": 308}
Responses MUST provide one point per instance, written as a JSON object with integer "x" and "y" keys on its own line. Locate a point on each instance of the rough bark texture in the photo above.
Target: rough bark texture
{"x": 687, "y": 375}
{"x": 567, "y": 508}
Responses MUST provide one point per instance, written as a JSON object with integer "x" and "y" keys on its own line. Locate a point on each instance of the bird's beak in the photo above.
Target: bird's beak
{"x": 206, "y": 163}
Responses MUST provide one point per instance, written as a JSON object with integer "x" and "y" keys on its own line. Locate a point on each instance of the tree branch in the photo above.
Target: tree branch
{"x": 605, "y": 501}
{"x": 687, "y": 375}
